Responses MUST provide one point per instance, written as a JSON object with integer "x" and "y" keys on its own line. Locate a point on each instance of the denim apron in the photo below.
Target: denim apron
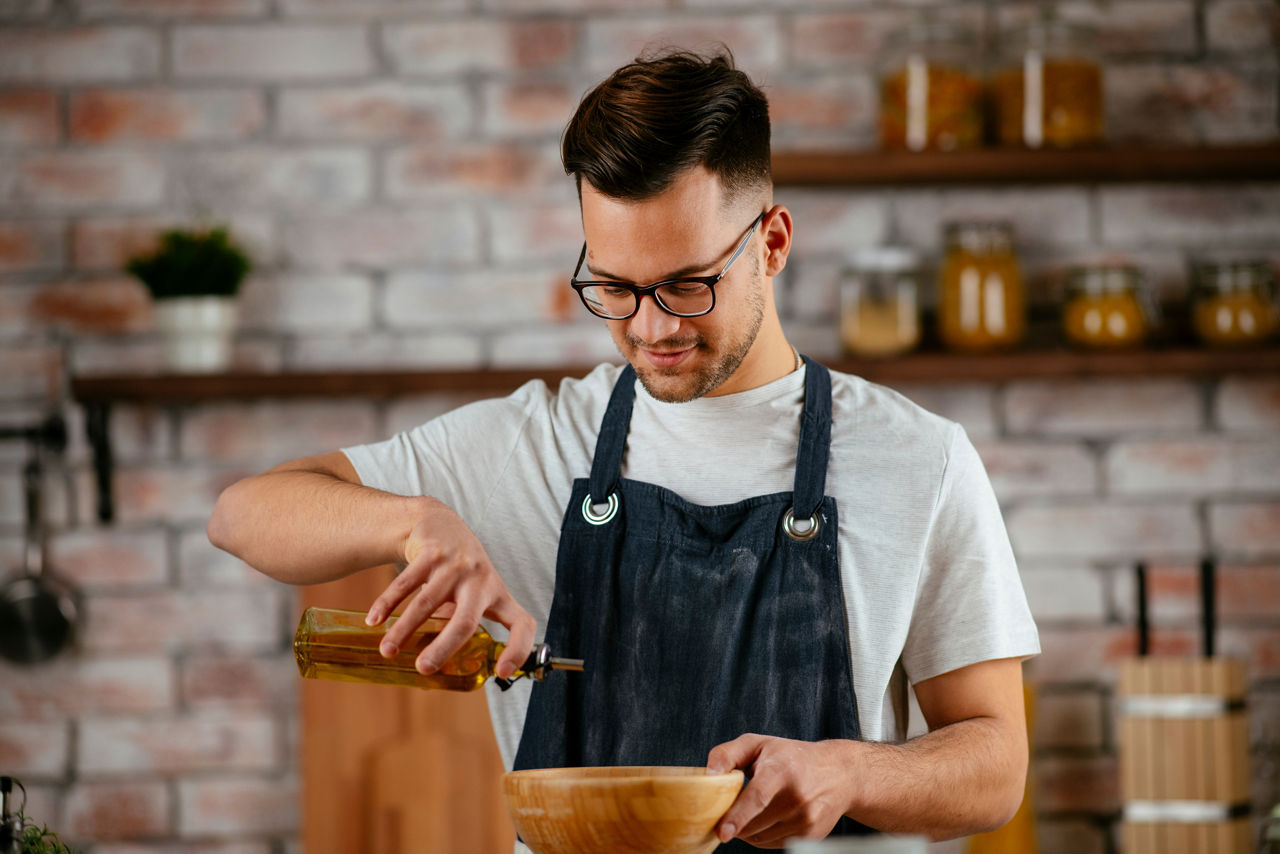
{"x": 697, "y": 624}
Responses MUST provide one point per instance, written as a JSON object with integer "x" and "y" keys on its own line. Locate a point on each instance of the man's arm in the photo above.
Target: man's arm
{"x": 311, "y": 520}
{"x": 966, "y": 775}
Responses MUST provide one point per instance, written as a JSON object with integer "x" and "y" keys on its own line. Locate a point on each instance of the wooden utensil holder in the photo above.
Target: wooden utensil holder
{"x": 1184, "y": 744}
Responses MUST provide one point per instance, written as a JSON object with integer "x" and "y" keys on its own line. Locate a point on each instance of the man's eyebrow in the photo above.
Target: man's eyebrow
{"x": 683, "y": 272}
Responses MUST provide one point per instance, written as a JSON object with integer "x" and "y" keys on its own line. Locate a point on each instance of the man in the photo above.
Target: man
{"x": 753, "y": 555}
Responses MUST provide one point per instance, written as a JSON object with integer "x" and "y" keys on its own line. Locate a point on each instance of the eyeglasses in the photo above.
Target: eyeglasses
{"x": 690, "y": 296}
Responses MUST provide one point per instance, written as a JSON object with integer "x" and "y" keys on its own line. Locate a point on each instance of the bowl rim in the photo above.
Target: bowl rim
{"x": 602, "y": 774}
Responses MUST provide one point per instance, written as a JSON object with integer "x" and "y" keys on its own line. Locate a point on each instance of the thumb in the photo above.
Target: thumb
{"x": 739, "y": 753}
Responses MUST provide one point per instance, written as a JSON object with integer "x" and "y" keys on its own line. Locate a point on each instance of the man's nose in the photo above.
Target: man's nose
{"x": 650, "y": 323}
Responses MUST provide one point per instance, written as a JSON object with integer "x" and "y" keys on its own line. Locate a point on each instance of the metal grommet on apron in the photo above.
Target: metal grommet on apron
{"x": 698, "y": 624}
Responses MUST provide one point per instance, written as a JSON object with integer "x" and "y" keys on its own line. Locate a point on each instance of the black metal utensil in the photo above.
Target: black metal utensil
{"x": 37, "y": 609}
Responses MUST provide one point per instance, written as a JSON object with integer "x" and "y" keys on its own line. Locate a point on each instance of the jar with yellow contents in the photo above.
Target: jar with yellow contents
{"x": 931, "y": 90}
{"x": 1047, "y": 92}
{"x": 1233, "y": 303}
{"x": 879, "y": 302}
{"x": 981, "y": 297}
{"x": 1106, "y": 307}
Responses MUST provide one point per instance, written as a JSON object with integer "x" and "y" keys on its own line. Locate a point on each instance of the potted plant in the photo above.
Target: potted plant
{"x": 194, "y": 276}
{"x": 18, "y": 835}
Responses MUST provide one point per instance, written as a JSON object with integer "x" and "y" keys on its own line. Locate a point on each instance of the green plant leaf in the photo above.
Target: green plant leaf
{"x": 192, "y": 262}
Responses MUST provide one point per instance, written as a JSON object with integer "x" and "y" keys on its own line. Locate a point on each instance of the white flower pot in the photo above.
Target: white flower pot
{"x": 197, "y": 332}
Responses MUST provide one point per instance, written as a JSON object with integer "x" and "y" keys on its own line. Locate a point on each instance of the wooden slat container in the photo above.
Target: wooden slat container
{"x": 1184, "y": 756}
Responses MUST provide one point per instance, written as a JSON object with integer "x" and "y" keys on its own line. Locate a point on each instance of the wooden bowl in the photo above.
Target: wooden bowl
{"x": 619, "y": 810}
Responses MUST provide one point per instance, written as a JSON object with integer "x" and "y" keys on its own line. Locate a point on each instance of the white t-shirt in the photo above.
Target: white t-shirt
{"x": 930, "y": 583}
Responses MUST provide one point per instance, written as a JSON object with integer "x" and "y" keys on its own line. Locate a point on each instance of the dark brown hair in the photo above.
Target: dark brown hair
{"x": 654, "y": 118}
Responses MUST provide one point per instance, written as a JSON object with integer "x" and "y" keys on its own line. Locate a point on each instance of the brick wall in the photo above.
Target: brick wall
{"x": 392, "y": 167}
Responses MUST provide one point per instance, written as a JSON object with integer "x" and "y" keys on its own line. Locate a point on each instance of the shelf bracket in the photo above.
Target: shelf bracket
{"x": 97, "y": 421}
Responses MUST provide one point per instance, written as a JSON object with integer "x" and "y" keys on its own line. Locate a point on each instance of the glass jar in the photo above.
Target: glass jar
{"x": 879, "y": 302}
{"x": 1047, "y": 92}
{"x": 1233, "y": 302}
{"x": 981, "y": 299}
{"x": 1105, "y": 307}
{"x": 931, "y": 90}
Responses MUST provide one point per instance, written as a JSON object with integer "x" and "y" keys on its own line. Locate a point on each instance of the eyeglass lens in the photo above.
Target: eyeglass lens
{"x": 681, "y": 298}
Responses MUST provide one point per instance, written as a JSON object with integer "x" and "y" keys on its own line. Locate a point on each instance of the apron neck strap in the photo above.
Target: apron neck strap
{"x": 815, "y": 441}
{"x": 606, "y": 465}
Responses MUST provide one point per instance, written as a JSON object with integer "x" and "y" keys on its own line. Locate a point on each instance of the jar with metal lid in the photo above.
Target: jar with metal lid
{"x": 931, "y": 91}
{"x": 1106, "y": 307}
{"x": 1233, "y": 302}
{"x": 879, "y": 302}
{"x": 1047, "y": 92}
{"x": 981, "y": 298}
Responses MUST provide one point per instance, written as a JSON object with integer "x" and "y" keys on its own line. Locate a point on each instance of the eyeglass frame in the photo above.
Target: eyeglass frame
{"x": 641, "y": 291}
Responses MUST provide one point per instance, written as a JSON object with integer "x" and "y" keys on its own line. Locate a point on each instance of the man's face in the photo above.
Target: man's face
{"x": 685, "y": 231}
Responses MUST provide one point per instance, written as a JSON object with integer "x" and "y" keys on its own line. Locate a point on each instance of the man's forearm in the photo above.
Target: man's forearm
{"x": 306, "y": 526}
{"x": 963, "y": 778}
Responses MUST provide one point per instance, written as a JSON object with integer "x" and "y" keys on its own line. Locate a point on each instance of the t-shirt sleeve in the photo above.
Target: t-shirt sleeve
{"x": 457, "y": 457}
{"x": 970, "y": 605}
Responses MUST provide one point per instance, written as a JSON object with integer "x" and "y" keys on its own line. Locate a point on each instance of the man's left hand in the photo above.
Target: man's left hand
{"x": 796, "y": 788}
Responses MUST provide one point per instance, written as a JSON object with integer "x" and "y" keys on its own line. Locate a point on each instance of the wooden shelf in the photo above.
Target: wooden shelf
{"x": 178, "y": 389}
{"x": 1016, "y": 166}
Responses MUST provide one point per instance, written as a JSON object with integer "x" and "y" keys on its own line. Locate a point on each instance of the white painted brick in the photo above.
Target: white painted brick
{"x": 1022, "y": 469}
{"x": 1101, "y": 407}
{"x": 1245, "y": 529}
{"x": 237, "y": 806}
{"x": 24, "y": 10}
{"x": 70, "y": 686}
{"x": 202, "y": 566}
{"x": 1121, "y": 28}
{"x": 384, "y": 239}
{"x": 171, "y": 492}
{"x": 120, "y": 809}
{"x": 816, "y": 339}
{"x": 476, "y": 300}
{"x": 755, "y": 39}
{"x": 274, "y": 430}
{"x": 1241, "y": 25}
{"x": 31, "y": 246}
{"x": 808, "y": 290}
{"x": 539, "y": 234}
{"x": 241, "y": 741}
{"x": 1069, "y": 721}
{"x": 1041, "y": 217}
{"x": 110, "y": 558}
{"x": 29, "y": 117}
{"x": 1222, "y": 101}
{"x": 383, "y": 111}
{"x": 306, "y": 302}
{"x": 824, "y": 110}
{"x": 970, "y": 404}
{"x": 172, "y": 9}
{"x": 526, "y": 108}
{"x": 1199, "y": 216}
{"x": 576, "y": 5}
{"x": 75, "y": 180}
{"x": 424, "y": 349}
{"x": 371, "y": 9}
{"x": 1098, "y": 530}
{"x": 572, "y": 344}
{"x": 472, "y": 170}
{"x": 1060, "y": 592}
{"x": 1243, "y": 594}
{"x": 407, "y": 413}
{"x": 104, "y": 116}
{"x": 833, "y": 225}
{"x": 214, "y": 619}
{"x": 241, "y": 682}
{"x": 78, "y": 54}
{"x": 272, "y": 52}
{"x": 1248, "y": 404}
{"x": 846, "y": 39}
{"x": 92, "y": 356}
{"x": 108, "y": 242}
{"x": 453, "y": 46}
{"x": 1202, "y": 466}
{"x": 277, "y": 178}
{"x": 33, "y": 751}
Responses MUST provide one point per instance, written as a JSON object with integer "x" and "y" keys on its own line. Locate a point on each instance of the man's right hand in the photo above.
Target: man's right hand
{"x": 447, "y": 570}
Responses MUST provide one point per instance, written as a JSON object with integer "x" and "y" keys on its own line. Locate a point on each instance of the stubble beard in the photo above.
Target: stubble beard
{"x": 716, "y": 368}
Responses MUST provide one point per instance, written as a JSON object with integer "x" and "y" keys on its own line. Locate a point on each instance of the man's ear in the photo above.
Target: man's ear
{"x": 777, "y": 239}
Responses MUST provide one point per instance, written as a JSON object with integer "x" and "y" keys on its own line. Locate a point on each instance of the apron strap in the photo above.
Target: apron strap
{"x": 606, "y": 466}
{"x": 815, "y": 442}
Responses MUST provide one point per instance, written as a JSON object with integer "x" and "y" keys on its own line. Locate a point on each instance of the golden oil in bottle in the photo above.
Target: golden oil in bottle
{"x": 338, "y": 646}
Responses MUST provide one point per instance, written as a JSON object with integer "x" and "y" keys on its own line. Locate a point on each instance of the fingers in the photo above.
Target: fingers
{"x": 739, "y": 753}
{"x": 522, "y": 629}
{"x": 756, "y": 809}
{"x": 399, "y": 589}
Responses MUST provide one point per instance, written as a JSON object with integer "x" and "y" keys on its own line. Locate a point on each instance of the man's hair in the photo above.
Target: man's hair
{"x": 661, "y": 115}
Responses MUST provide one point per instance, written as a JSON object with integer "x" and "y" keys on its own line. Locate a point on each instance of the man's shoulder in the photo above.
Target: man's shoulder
{"x": 876, "y": 409}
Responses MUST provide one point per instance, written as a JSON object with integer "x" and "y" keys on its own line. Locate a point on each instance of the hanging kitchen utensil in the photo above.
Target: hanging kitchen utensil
{"x": 1184, "y": 742}
{"x": 11, "y": 820}
{"x": 37, "y": 609}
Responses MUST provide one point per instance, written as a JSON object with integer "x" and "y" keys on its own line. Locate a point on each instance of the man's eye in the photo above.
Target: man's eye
{"x": 614, "y": 291}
